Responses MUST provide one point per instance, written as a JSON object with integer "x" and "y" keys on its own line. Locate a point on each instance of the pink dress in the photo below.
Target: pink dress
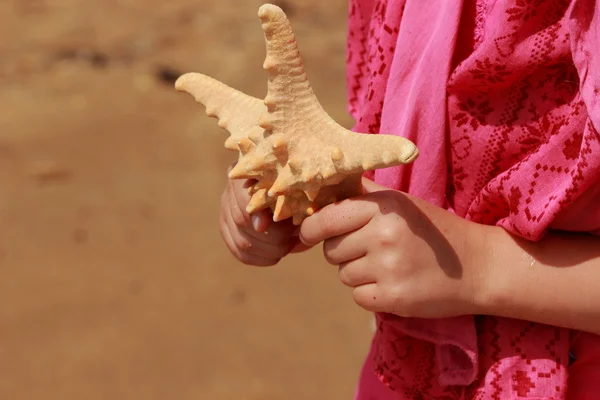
{"x": 503, "y": 100}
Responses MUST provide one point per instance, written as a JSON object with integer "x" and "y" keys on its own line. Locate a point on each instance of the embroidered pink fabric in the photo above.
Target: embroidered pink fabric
{"x": 503, "y": 100}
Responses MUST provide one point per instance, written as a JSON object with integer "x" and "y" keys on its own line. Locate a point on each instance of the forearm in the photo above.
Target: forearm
{"x": 555, "y": 281}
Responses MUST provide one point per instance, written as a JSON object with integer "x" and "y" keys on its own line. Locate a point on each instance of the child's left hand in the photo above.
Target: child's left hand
{"x": 402, "y": 255}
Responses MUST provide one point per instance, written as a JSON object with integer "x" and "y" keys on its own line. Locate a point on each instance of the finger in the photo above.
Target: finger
{"x": 369, "y": 297}
{"x": 337, "y": 219}
{"x": 274, "y": 236}
{"x": 238, "y": 208}
{"x": 280, "y": 232}
{"x": 356, "y": 273}
{"x": 247, "y": 183}
{"x": 246, "y": 258}
{"x": 370, "y": 187}
{"x": 299, "y": 247}
{"x": 345, "y": 248}
{"x": 247, "y": 243}
{"x": 261, "y": 220}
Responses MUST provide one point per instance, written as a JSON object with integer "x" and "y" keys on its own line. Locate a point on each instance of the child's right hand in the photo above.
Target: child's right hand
{"x": 254, "y": 239}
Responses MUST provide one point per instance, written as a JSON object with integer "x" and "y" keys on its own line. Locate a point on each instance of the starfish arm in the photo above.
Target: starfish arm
{"x": 358, "y": 152}
{"x": 290, "y": 99}
{"x": 301, "y": 158}
{"x": 237, "y": 112}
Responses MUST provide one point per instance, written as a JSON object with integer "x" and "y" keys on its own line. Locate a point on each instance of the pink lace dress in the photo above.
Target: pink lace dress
{"x": 503, "y": 100}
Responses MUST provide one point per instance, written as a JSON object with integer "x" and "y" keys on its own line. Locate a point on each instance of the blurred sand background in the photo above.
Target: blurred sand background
{"x": 114, "y": 282}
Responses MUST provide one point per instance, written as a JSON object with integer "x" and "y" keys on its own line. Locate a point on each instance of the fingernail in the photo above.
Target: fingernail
{"x": 255, "y": 222}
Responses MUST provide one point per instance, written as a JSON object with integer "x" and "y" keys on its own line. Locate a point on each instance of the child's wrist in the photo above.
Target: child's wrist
{"x": 484, "y": 269}
{"x": 502, "y": 277}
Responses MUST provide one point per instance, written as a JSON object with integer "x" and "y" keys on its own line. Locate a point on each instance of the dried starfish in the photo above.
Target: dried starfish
{"x": 300, "y": 157}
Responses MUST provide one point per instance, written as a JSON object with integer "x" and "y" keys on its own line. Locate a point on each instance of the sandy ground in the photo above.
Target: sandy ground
{"x": 114, "y": 281}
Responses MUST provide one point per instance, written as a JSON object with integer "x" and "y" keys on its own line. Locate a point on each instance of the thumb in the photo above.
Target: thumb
{"x": 261, "y": 220}
{"x": 369, "y": 186}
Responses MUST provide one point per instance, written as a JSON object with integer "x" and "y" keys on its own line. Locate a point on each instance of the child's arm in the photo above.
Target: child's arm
{"x": 404, "y": 256}
{"x": 555, "y": 281}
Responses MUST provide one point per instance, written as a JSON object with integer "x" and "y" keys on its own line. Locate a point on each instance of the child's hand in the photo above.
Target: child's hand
{"x": 400, "y": 254}
{"x": 254, "y": 240}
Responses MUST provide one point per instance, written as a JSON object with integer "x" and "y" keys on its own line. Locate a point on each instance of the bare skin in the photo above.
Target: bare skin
{"x": 398, "y": 253}
{"x": 404, "y": 256}
{"x": 254, "y": 240}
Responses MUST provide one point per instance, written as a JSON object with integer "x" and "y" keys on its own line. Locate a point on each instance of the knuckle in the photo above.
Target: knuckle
{"x": 330, "y": 260}
{"x": 329, "y": 254}
{"x": 224, "y": 213}
{"x": 390, "y": 261}
{"x": 241, "y": 243}
{"x": 389, "y": 234}
{"x": 344, "y": 277}
{"x": 224, "y": 236}
{"x": 238, "y": 215}
{"x": 362, "y": 300}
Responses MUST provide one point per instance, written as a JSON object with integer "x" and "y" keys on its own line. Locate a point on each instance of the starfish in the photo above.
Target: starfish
{"x": 299, "y": 157}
